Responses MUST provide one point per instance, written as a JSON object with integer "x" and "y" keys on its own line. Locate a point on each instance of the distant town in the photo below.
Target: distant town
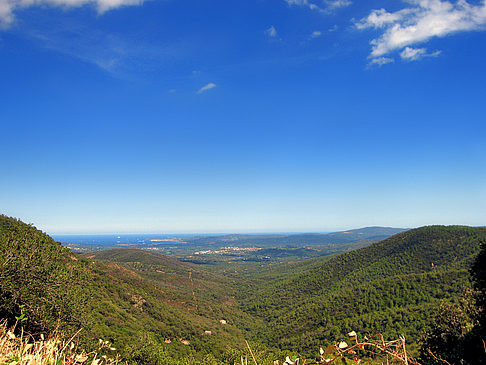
{"x": 226, "y": 250}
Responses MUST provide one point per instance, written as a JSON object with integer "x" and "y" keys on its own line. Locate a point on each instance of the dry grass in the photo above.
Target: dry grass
{"x": 23, "y": 349}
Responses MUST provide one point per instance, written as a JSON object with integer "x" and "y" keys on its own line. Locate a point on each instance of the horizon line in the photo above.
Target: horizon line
{"x": 222, "y": 233}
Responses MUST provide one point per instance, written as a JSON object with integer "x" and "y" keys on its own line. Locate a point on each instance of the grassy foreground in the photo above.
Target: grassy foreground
{"x": 27, "y": 350}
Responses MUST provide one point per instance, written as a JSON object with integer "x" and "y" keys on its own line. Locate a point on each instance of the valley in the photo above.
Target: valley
{"x": 226, "y": 253}
{"x": 200, "y": 307}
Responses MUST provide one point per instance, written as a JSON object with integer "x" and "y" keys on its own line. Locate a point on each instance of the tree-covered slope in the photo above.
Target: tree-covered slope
{"x": 205, "y": 293}
{"x": 138, "y": 299}
{"x": 112, "y": 301}
{"x": 41, "y": 275}
{"x": 389, "y": 287}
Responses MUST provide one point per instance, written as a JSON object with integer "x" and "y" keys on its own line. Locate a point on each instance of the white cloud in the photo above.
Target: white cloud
{"x": 297, "y": 2}
{"x": 316, "y": 34}
{"x": 326, "y": 7}
{"x": 380, "y": 61}
{"x": 9, "y": 7}
{"x": 421, "y": 21}
{"x": 335, "y": 4}
{"x": 380, "y": 18}
{"x": 206, "y": 88}
{"x": 271, "y": 32}
{"x": 414, "y": 54}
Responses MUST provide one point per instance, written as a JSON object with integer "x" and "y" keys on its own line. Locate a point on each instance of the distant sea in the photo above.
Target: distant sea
{"x": 138, "y": 239}
{"x": 122, "y": 239}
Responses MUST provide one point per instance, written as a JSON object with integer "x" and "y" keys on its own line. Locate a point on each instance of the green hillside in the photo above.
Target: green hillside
{"x": 183, "y": 284}
{"x": 138, "y": 299}
{"x": 135, "y": 310}
{"x": 42, "y": 275}
{"x": 390, "y": 287}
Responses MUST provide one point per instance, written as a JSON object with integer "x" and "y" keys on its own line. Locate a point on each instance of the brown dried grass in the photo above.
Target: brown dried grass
{"x": 24, "y": 349}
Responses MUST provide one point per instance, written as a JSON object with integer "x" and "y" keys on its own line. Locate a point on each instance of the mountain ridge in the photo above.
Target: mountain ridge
{"x": 406, "y": 273}
{"x": 302, "y": 239}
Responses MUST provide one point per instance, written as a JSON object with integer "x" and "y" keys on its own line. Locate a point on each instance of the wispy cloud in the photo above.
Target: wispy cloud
{"x": 325, "y": 6}
{"x": 336, "y": 4}
{"x": 414, "y": 54}
{"x": 316, "y": 34}
{"x": 128, "y": 57}
{"x": 9, "y": 7}
{"x": 206, "y": 88}
{"x": 418, "y": 23}
{"x": 380, "y": 61}
{"x": 271, "y": 32}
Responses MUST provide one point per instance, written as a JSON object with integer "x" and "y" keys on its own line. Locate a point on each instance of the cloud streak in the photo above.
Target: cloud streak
{"x": 420, "y": 22}
{"x": 414, "y": 54}
{"x": 9, "y": 7}
{"x": 128, "y": 57}
{"x": 206, "y": 88}
{"x": 380, "y": 61}
{"x": 271, "y": 32}
{"x": 327, "y": 5}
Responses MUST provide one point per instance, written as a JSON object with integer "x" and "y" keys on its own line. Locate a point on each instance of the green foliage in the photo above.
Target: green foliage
{"x": 446, "y": 339}
{"x": 478, "y": 271}
{"x": 45, "y": 286}
{"x": 39, "y": 282}
{"x": 457, "y": 334}
{"x": 391, "y": 287}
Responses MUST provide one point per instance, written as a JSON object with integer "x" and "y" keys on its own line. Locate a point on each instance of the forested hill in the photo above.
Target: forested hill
{"x": 390, "y": 287}
{"x": 300, "y": 239}
{"x": 136, "y": 255}
{"x": 202, "y": 292}
{"x": 138, "y": 299}
{"x": 136, "y": 309}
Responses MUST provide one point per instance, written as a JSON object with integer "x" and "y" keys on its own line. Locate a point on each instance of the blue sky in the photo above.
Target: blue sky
{"x": 190, "y": 116}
